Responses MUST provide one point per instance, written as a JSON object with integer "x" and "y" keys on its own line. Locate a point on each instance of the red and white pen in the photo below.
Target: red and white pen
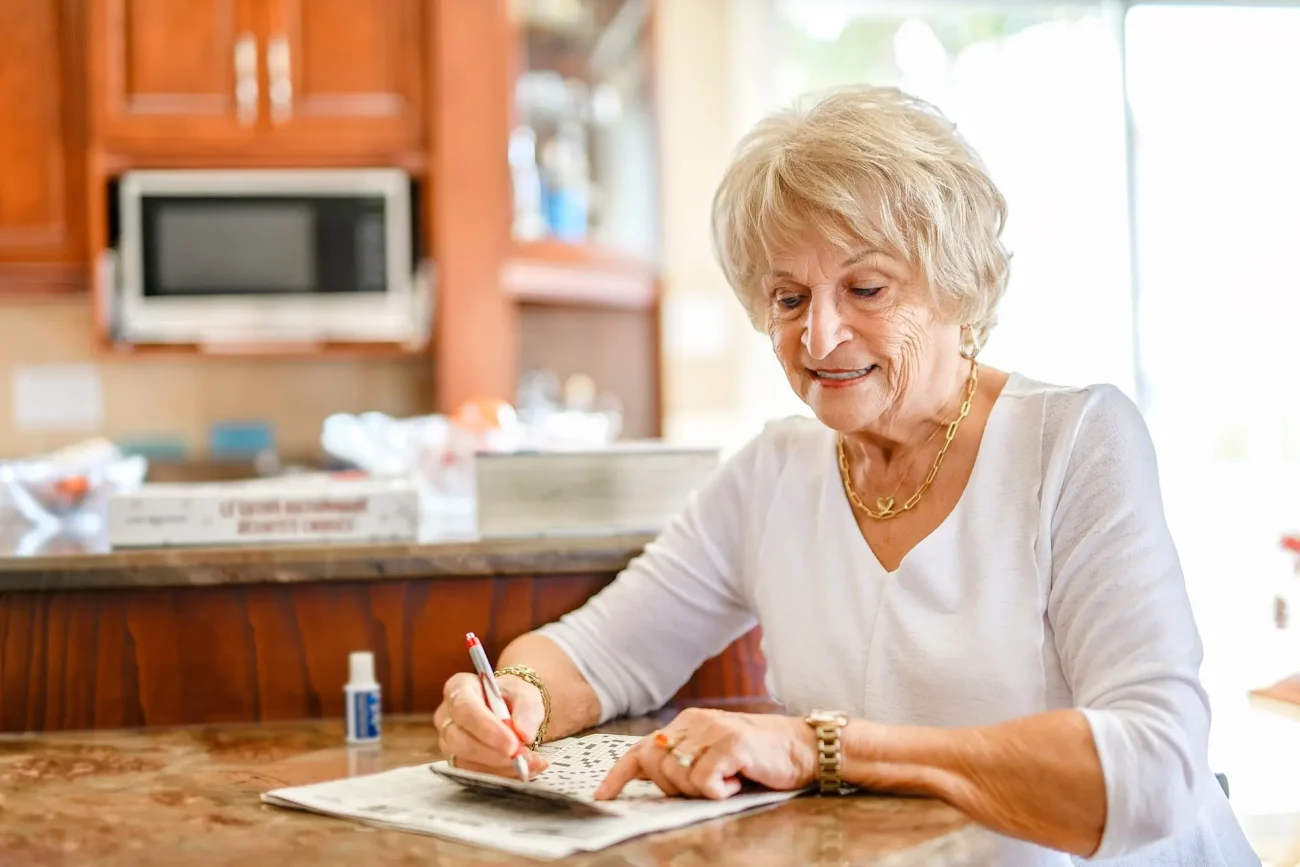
{"x": 495, "y": 702}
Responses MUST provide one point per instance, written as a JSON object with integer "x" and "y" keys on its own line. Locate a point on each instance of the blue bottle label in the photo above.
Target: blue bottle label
{"x": 365, "y": 713}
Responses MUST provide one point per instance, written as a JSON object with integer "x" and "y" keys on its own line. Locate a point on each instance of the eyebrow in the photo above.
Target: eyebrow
{"x": 856, "y": 258}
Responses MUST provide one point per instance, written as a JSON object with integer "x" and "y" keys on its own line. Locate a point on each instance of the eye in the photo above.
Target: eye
{"x": 868, "y": 291}
{"x": 788, "y": 302}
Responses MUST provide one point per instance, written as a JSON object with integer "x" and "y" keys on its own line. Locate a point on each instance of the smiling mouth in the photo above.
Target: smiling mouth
{"x": 841, "y": 375}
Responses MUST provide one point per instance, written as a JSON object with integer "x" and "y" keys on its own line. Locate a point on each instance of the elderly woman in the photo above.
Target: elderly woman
{"x": 964, "y": 578}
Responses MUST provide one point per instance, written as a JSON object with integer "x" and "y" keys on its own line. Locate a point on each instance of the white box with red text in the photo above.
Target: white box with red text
{"x": 312, "y": 508}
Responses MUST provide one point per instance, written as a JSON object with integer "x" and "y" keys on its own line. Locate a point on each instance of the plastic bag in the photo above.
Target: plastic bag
{"x": 70, "y": 488}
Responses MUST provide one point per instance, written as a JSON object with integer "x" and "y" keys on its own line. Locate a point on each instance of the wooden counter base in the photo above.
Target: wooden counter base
{"x": 149, "y": 656}
{"x": 191, "y": 796}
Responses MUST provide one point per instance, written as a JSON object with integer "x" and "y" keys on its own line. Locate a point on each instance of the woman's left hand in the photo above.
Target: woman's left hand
{"x": 704, "y": 753}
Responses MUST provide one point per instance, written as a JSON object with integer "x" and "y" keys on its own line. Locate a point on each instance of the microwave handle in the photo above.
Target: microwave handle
{"x": 110, "y": 284}
{"x": 246, "y": 78}
{"x": 279, "y": 72}
{"x": 424, "y": 295}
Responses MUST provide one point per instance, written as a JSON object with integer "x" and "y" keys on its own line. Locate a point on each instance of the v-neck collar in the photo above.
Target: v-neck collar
{"x": 848, "y": 522}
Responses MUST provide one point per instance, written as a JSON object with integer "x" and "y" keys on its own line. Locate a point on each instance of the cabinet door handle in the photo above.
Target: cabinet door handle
{"x": 280, "y": 72}
{"x": 246, "y": 78}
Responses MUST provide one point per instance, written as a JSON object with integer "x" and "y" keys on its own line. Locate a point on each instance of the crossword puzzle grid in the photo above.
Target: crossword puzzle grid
{"x": 578, "y": 768}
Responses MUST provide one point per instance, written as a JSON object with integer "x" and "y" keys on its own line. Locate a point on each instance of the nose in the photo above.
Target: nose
{"x": 824, "y": 329}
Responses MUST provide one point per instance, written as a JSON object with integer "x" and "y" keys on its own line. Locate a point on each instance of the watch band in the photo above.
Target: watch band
{"x": 827, "y": 725}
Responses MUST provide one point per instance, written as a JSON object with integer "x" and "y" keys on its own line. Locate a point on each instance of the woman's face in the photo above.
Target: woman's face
{"x": 856, "y": 333}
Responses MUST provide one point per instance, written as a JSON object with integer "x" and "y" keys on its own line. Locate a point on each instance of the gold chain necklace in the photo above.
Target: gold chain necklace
{"x": 938, "y": 429}
{"x": 885, "y": 505}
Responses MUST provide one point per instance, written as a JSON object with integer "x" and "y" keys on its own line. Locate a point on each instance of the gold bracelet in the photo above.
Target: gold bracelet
{"x": 525, "y": 673}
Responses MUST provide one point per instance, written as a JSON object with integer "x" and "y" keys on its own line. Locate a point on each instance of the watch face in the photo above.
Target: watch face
{"x": 825, "y": 717}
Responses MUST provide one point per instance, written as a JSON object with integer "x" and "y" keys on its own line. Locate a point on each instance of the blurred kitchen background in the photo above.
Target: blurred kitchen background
{"x": 544, "y": 174}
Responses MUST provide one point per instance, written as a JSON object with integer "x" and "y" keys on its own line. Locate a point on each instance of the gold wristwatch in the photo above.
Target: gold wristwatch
{"x": 828, "y": 724}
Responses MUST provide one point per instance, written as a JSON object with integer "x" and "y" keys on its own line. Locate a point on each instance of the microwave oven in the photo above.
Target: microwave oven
{"x": 258, "y": 256}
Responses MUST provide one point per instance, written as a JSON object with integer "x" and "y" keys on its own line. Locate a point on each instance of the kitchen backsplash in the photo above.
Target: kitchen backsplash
{"x": 180, "y": 396}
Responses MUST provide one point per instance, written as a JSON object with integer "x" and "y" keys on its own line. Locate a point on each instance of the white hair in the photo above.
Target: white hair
{"x": 865, "y": 165}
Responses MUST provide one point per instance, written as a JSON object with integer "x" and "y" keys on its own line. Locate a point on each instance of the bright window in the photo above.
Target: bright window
{"x": 1213, "y": 94}
{"x": 1037, "y": 91}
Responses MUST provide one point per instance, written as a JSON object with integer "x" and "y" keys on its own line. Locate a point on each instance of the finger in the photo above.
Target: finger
{"x": 536, "y": 764}
{"x": 672, "y": 770}
{"x": 441, "y": 715}
{"x": 461, "y": 743}
{"x": 469, "y": 748}
{"x": 469, "y": 709}
{"x": 473, "y": 754}
{"x": 716, "y": 773}
{"x": 687, "y": 750}
{"x": 525, "y": 703}
{"x": 652, "y": 764}
{"x": 442, "y": 719}
{"x": 663, "y": 767}
{"x": 625, "y": 770}
{"x": 456, "y": 683}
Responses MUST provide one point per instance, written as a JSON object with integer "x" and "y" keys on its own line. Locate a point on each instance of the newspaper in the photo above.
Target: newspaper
{"x": 514, "y": 819}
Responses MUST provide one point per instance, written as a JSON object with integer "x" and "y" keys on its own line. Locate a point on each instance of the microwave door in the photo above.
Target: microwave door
{"x": 216, "y": 264}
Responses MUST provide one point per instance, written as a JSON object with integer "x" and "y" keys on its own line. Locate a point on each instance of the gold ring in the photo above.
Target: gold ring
{"x": 451, "y": 761}
{"x": 664, "y": 741}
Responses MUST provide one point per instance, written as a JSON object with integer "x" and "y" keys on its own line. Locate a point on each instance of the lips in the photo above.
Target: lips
{"x": 836, "y": 377}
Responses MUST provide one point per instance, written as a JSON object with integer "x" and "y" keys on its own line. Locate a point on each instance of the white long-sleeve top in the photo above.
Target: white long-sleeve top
{"x": 1053, "y": 583}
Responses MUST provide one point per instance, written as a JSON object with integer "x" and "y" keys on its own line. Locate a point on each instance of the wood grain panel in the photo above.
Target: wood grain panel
{"x": 355, "y": 70}
{"x": 40, "y": 171}
{"x": 27, "y": 279}
{"x": 176, "y": 55}
{"x": 173, "y": 656}
{"x": 471, "y": 209}
{"x": 367, "y": 30}
{"x": 163, "y": 71}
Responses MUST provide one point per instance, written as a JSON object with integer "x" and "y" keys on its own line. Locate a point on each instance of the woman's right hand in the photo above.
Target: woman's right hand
{"x": 470, "y": 732}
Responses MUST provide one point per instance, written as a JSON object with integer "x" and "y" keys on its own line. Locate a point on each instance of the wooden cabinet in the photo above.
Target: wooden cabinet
{"x": 41, "y": 187}
{"x": 345, "y": 73}
{"x": 314, "y": 77}
{"x": 174, "y": 71}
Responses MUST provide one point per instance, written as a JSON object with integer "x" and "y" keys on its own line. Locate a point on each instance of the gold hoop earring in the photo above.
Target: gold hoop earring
{"x": 967, "y": 343}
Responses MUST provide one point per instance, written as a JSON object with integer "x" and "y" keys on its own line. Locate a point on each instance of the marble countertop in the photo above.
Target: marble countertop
{"x": 191, "y": 796}
{"x": 60, "y": 564}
